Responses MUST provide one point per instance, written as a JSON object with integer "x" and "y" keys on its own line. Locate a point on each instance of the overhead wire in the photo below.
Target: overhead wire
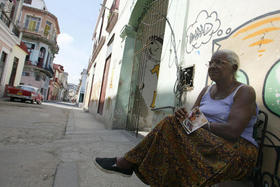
{"x": 178, "y": 87}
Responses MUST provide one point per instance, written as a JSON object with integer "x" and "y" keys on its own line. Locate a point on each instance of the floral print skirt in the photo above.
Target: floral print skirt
{"x": 168, "y": 156}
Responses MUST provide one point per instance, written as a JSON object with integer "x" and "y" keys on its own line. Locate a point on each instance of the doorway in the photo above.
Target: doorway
{"x": 104, "y": 86}
{"x": 2, "y": 64}
{"x": 147, "y": 58}
{"x": 14, "y": 72}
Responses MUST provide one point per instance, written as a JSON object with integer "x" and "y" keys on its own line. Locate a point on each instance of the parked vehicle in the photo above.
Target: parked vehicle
{"x": 25, "y": 93}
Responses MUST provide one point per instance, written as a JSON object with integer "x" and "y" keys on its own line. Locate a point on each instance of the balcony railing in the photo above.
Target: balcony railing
{"x": 112, "y": 20}
{"x": 16, "y": 31}
{"x": 7, "y": 21}
{"x": 41, "y": 33}
{"x": 39, "y": 66}
{"x": 96, "y": 50}
{"x": 5, "y": 18}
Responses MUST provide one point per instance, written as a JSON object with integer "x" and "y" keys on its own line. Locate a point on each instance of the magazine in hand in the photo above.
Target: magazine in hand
{"x": 195, "y": 120}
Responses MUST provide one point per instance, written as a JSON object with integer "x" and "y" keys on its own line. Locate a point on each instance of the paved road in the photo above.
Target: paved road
{"x": 53, "y": 144}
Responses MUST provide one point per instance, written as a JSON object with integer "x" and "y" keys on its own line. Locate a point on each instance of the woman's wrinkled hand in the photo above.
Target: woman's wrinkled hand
{"x": 181, "y": 114}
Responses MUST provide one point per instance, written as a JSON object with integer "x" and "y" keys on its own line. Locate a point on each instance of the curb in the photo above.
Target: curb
{"x": 70, "y": 126}
{"x": 66, "y": 175}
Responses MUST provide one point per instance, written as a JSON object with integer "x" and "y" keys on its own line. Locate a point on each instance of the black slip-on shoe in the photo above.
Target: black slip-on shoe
{"x": 109, "y": 165}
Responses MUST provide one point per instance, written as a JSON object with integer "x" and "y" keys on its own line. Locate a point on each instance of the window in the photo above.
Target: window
{"x": 27, "y": 88}
{"x": 12, "y": 14}
{"x": 42, "y": 52}
{"x": 101, "y": 27}
{"x": 115, "y": 5}
{"x": 110, "y": 46}
{"x": 48, "y": 60}
{"x": 30, "y": 48}
{"x": 113, "y": 16}
{"x": 25, "y": 74}
{"x": 28, "y": 1}
{"x": 53, "y": 35}
{"x": 37, "y": 76}
{"x": 41, "y": 56}
{"x": 32, "y": 23}
{"x": 14, "y": 71}
{"x": 47, "y": 28}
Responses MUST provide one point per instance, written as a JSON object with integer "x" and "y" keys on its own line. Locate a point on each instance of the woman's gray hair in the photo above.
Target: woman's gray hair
{"x": 231, "y": 56}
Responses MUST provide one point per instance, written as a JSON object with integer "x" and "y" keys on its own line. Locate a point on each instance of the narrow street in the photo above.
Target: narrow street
{"x": 53, "y": 145}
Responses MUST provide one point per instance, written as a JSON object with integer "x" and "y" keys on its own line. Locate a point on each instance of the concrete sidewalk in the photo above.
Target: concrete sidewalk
{"x": 86, "y": 138}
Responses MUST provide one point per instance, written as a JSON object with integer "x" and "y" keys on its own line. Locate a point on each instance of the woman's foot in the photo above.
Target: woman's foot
{"x": 114, "y": 165}
{"x": 123, "y": 163}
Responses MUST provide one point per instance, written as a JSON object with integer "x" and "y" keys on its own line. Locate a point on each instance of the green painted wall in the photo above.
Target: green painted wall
{"x": 127, "y": 80}
{"x": 123, "y": 94}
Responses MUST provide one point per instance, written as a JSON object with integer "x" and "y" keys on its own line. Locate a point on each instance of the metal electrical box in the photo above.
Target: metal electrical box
{"x": 186, "y": 78}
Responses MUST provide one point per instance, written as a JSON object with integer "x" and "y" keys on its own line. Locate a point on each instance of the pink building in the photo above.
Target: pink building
{"x": 40, "y": 29}
{"x": 12, "y": 52}
{"x": 58, "y": 84}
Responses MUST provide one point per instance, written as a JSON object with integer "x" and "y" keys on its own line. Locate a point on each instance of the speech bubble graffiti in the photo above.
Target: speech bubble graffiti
{"x": 202, "y": 30}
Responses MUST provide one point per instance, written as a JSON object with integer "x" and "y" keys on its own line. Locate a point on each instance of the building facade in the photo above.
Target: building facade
{"x": 141, "y": 46}
{"x": 72, "y": 91}
{"x": 136, "y": 55}
{"x": 58, "y": 84}
{"x": 82, "y": 88}
{"x": 12, "y": 51}
{"x": 40, "y": 29}
{"x": 64, "y": 82}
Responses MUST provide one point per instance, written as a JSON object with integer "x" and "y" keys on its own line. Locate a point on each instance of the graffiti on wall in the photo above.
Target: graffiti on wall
{"x": 271, "y": 90}
{"x": 257, "y": 44}
{"x": 155, "y": 70}
{"x": 202, "y": 30}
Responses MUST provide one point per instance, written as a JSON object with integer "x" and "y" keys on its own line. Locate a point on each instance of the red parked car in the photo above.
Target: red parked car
{"x": 25, "y": 93}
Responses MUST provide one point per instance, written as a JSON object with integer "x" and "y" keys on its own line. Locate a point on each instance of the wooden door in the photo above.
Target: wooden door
{"x": 104, "y": 86}
{"x": 14, "y": 71}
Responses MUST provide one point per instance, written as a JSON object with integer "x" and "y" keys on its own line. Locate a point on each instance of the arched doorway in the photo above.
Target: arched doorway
{"x": 146, "y": 65}
{"x": 41, "y": 57}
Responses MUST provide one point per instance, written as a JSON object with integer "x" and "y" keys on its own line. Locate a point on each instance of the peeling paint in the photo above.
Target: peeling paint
{"x": 108, "y": 103}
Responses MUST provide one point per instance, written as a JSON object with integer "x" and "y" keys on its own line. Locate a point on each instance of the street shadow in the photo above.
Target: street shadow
{"x": 62, "y": 104}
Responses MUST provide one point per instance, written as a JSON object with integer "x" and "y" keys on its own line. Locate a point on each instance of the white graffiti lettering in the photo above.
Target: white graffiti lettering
{"x": 202, "y": 30}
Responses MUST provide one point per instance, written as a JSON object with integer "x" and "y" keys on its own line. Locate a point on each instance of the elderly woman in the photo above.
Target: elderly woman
{"x": 224, "y": 149}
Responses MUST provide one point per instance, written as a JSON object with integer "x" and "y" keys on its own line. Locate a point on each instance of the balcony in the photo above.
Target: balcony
{"x": 113, "y": 17}
{"x": 96, "y": 50}
{"x": 16, "y": 31}
{"x": 40, "y": 35}
{"x": 39, "y": 66}
{"x": 6, "y": 20}
{"x": 112, "y": 20}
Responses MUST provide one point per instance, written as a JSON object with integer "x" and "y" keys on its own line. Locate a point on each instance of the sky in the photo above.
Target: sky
{"x": 77, "y": 21}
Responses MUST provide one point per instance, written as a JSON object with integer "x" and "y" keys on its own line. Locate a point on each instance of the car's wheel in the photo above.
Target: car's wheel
{"x": 12, "y": 99}
{"x": 23, "y": 100}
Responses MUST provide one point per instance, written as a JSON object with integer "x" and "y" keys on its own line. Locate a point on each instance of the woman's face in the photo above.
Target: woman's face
{"x": 220, "y": 68}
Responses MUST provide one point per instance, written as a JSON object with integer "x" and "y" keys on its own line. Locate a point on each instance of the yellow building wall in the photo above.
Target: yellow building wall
{"x": 20, "y": 54}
